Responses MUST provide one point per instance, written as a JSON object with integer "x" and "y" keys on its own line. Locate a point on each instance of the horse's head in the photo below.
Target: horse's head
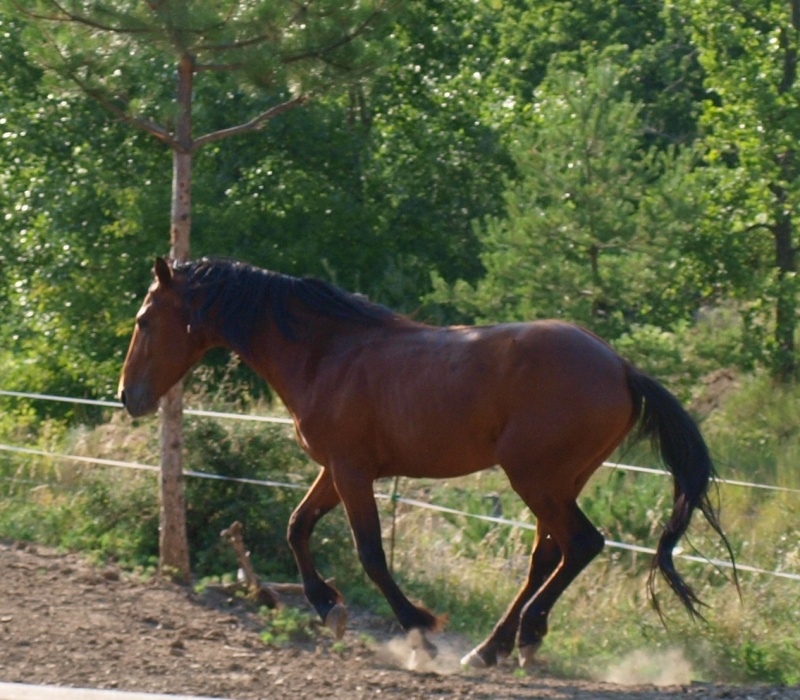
{"x": 163, "y": 347}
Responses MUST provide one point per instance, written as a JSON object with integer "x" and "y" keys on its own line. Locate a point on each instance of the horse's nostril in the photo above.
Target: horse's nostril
{"x": 122, "y": 396}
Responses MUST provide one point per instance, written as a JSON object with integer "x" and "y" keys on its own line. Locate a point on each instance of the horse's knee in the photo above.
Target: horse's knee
{"x": 579, "y": 550}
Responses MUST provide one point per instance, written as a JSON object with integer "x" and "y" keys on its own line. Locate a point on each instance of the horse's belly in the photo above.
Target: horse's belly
{"x": 440, "y": 456}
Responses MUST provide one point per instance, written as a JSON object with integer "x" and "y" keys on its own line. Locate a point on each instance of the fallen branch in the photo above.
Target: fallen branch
{"x": 249, "y": 583}
{"x": 262, "y": 593}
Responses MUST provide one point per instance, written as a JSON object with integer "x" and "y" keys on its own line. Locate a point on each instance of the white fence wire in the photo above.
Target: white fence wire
{"x": 719, "y": 563}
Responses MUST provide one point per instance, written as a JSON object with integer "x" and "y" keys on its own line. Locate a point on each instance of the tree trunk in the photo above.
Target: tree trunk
{"x": 785, "y": 366}
{"x": 173, "y": 541}
{"x": 173, "y": 544}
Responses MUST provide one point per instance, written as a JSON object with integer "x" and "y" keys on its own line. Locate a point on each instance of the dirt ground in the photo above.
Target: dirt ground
{"x": 63, "y": 622}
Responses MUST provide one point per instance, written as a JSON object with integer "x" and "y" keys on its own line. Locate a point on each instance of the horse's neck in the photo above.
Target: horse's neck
{"x": 283, "y": 363}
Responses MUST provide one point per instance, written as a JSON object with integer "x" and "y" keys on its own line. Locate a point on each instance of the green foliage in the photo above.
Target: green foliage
{"x": 757, "y": 432}
{"x": 588, "y": 218}
{"x": 114, "y": 513}
{"x": 749, "y": 53}
{"x": 287, "y": 625}
{"x": 121, "y": 53}
{"x": 664, "y": 77}
{"x": 106, "y": 515}
{"x": 240, "y": 452}
{"x": 74, "y": 234}
{"x": 652, "y": 349}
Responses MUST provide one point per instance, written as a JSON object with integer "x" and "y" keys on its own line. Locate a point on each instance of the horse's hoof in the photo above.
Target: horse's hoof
{"x": 423, "y": 651}
{"x": 474, "y": 660}
{"x": 336, "y": 620}
{"x": 527, "y": 653}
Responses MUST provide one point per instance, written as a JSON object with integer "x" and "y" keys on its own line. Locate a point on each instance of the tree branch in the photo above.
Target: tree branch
{"x": 795, "y": 9}
{"x": 755, "y": 21}
{"x": 756, "y": 227}
{"x": 217, "y": 67}
{"x": 320, "y": 53}
{"x": 252, "y": 125}
{"x": 64, "y": 15}
{"x": 232, "y": 46}
{"x": 258, "y": 38}
{"x": 151, "y": 127}
{"x": 789, "y": 62}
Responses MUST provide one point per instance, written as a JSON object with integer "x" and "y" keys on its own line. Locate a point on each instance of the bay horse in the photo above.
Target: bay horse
{"x": 374, "y": 394}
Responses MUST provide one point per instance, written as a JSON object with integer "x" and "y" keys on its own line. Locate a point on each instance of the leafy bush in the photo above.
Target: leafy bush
{"x": 109, "y": 515}
{"x": 113, "y": 513}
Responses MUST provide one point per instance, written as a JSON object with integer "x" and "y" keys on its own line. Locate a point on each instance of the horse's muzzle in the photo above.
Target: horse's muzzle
{"x": 138, "y": 402}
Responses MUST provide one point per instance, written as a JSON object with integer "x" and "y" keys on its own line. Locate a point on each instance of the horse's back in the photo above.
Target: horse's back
{"x": 562, "y": 356}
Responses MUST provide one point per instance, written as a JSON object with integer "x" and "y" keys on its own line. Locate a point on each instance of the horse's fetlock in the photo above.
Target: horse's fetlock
{"x": 532, "y": 630}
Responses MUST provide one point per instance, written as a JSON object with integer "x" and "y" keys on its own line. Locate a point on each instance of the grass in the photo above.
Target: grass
{"x": 466, "y": 568}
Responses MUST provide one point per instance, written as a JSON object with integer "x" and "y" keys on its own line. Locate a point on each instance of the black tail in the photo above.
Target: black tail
{"x": 675, "y": 435}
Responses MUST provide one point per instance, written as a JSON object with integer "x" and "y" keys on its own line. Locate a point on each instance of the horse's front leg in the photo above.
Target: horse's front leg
{"x": 358, "y": 498}
{"x": 327, "y": 601}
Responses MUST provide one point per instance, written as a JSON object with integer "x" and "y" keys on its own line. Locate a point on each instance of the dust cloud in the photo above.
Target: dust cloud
{"x": 650, "y": 667}
{"x": 657, "y": 667}
{"x": 415, "y": 653}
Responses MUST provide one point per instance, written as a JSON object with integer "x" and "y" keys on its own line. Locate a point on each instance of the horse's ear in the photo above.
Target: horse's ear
{"x": 163, "y": 272}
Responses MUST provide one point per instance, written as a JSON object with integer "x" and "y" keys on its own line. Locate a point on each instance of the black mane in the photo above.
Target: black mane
{"x": 241, "y": 295}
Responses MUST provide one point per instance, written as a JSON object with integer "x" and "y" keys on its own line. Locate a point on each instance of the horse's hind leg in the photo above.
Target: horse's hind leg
{"x": 579, "y": 542}
{"x": 566, "y": 542}
{"x": 327, "y": 601}
{"x": 544, "y": 559}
